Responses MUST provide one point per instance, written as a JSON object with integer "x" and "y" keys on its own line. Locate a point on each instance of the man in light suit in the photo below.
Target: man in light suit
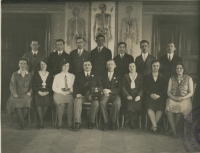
{"x": 34, "y": 57}
{"x": 56, "y": 57}
{"x": 78, "y": 56}
{"x": 111, "y": 93}
{"x": 85, "y": 85}
{"x": 100, "y": 55}
{"x": 122, "y": 60}
{"x": 168, "y": 61}
{"x": 143, "y": 61}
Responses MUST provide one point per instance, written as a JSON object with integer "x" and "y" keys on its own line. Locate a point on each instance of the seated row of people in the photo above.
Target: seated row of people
{"x": 99, "y": 90}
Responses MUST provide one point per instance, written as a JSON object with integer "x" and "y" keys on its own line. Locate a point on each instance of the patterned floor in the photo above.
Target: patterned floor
{"x": 51, "y": 140}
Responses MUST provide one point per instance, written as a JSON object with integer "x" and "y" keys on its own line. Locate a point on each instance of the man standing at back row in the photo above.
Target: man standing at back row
{"x": 34, "y": 57}
{"x": 100, "y": 55}
{"x": 143, "y": 61}
{"x": 78, "y": 56}
{"x": 168, "y": 61}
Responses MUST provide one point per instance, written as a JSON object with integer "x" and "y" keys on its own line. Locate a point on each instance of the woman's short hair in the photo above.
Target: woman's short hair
{"x": 63, "y": 62}
{"x": 154, "y": 61}
{"x": 120, "y": 43}
{"x": 23, "y": 59}
{"x": 183, "y": 65}
{"x": 44, "y": 60}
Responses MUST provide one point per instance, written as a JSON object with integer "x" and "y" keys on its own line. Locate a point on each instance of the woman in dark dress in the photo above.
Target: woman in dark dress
{"x": 42, "y": 85}
{"x": 155, "y": 93}
{"x": 132, "y": 91}
{"x": 21, "y": 93}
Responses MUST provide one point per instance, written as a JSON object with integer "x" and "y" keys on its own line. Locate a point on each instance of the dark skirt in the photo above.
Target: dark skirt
{"x": 156, "y": 105}
{"x": 133, "y": 105}
{"x": 43, "y": 100}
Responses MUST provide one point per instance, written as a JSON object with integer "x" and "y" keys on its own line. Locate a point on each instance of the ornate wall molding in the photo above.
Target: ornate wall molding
{"x": 33, "y": 8}
{"x": 171, "y": 9}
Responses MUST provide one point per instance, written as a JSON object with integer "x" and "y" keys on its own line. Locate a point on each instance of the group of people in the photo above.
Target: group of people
{"x": 132, "y": 86}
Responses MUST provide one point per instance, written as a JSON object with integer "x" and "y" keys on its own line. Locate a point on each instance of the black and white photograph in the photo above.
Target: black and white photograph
{"x": 100, "y": 76}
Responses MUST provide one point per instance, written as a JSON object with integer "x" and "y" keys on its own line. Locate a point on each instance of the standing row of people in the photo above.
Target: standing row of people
{"x": 83, "y": 76}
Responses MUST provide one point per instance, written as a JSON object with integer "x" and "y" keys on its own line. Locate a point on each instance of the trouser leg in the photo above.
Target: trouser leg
{"x": 103, "y": 108}
{"x": 94, "y": 110}
{"x": 78, "y": 109}
{"x": 115, "y": 109}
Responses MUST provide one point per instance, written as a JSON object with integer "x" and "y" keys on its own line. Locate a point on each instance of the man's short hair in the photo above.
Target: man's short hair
{"x": 144, "y": 41}
{"x": 98, "y": 36}
{"x": 80, "y": 38}
{"x": 120, "y": 43}
{"x": 35, "y": 40}
{"x": 111, "y": 60}
{"x": 171, "y": 43}
{"x": 87, "y": 61}
{"x": 60, "y": 40}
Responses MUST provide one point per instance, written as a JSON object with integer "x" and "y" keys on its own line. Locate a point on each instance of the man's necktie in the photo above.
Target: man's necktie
{"x": 144, "y": 57}
{"x": 99, "y": 49}
{"x": 66, "y": 85}
{"x": 87, "y": 76}
{"x": 34, "y": 55}
{"x": 59, "y": 54}
{"x": 169, "y": 58}
{"x": 79, "y": 53}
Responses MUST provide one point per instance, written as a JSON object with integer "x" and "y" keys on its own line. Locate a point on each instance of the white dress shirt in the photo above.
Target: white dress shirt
{"x": 100, "y": 48}
{"x": 86, "y": 73}
{"x": 144, "y": 56}
{"x": 59, "y": 82}
{"x": 60, "y": 52}
{"x": 171, "y": 55}
{"x": 34, "y": 52}
{"x": 110, "y": 75}
{"x": 80, "y": 51}
{"x": 122, "y": 55}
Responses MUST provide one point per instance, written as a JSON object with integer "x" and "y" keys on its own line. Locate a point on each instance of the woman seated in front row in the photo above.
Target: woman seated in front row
{"x": 21, "y": 92}
{"x": 180, "y": 89}
{"x": 132, "y": 91}
{"x": 155, "y": 93}
{"x": 63, "y": 89}
{"x": 42, "y": 85}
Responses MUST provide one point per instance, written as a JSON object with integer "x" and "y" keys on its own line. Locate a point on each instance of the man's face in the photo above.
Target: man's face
{"x": 87, "y": 66}
{"x": 100, "y": 41}
{"x": 80, "y": 43}
{"x": 59, "y": 45}
{"x": 122, "y": 49}
{"x": 34, "y": 45}
{"x": 171, "y": 48}
{"x": 22, "y": 65}
{"x": 144, "y": 47}
{"x": 111, "y": 66}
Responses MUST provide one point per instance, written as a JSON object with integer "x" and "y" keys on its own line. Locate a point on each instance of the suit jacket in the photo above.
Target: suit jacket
{"x": 123, "y": 64}
{"x": 99, "y": 60}
{"x": 77, "y": 62}
{"x": 142, "y": 67}
{"x": 168, "y": 68}
{"x": 54, "y": 62}
{"x": 126, "y": 86}
{"x": 82, "y": 84}
{"x": 33, "y": 63}
{"x": 115, "y": 83}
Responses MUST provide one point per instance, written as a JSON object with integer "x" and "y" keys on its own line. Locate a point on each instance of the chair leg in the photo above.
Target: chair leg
{"x": 11, "y": 119}
{"x": 29, "y": 117}
{"x": 99, "y": 119}
{"x": 122, "y": 121}
{"x": 53, "y": 117}
{"x": 118, "y": 121}
{"x": 146, "y": 122}
{"x": 140, "y": 120}
{"x": 35, "y": 118}
{"x": 96, "y": 118}
{"x": 56, "y": 116}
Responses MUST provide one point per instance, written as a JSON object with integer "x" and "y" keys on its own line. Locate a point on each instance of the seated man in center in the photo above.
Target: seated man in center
{"x": 111, "y": 89}
{"x": 85, "y": 86}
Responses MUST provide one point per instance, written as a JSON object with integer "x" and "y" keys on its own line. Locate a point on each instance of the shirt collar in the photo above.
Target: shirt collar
{"x": 146, "y": 54}
{"x": 63, "y": 74}
{"x": 19, "y": 72}
{"x": 100, "y": 47}
{"x": 170, "y": 54}
{"x": 80, "y": 49}
{"x": 34, "y": 51}
{"x": 87, "y": 73}
{"x": 60, "y": 52}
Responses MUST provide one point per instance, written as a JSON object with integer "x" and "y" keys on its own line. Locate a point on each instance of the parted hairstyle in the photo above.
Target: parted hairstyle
{"x": 183, "y": 65}
{"x": 155, "y": 61}
{"x": 63, "y": 62}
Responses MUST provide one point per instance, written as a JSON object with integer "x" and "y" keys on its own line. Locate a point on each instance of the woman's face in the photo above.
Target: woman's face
{"x": 155, "y": 67}
{"x": 132, "y": 67}
{"x": 43, "y": 65}
{"x": 22, "y": 65}
{"x": 65, "y": 67}
{"x": 179, "y": 69}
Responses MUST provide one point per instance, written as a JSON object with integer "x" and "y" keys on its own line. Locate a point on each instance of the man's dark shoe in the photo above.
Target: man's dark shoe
{"x": 77, "y": 126}
{"x": 90, "y": 125}
{"x": 113, "y": 127}
{"x": 105, "y": 127}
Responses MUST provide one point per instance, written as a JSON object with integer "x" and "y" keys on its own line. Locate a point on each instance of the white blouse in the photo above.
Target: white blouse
{"x": 59, "y": 82}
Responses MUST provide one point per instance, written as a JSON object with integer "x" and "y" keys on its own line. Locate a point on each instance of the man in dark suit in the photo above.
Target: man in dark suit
{"x": 111, "y": 88}
{"x": 122, "y": 60}
{"x": 168, "y": 61}
{"x": 100, "y": 55}
{"x": 34, "y": 57}
{"x": 85, "y": 85}
{"x": 143, "y": 61}
{"x": 78, "y": 56}
{"x": 56, "y": 57}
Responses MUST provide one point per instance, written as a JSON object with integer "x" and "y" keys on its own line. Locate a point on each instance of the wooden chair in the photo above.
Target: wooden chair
{"x": 29, "y": 120}
{"x": 109, "y": 106}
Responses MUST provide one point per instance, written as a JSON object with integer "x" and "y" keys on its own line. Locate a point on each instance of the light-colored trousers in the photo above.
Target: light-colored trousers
{"x": 115, "y": 108}
{"x": 78, "y": 109}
